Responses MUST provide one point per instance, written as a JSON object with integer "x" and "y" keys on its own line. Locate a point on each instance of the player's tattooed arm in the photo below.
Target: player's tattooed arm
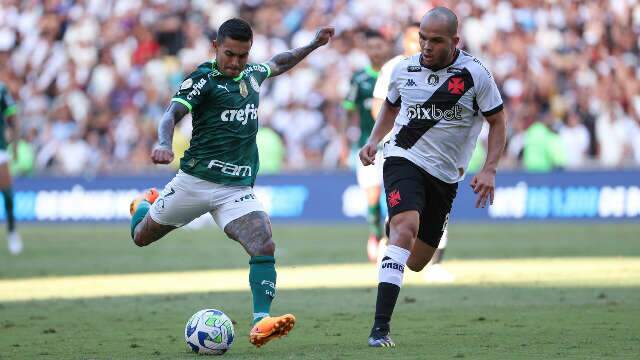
{"x": 253, "y": 232}
{"x": 162, "y": 152}
{"x": 283, "y": 62}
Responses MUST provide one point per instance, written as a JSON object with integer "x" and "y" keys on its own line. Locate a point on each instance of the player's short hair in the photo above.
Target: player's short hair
{"x": 236, "y": 29}
{"x": 447, "y": 15}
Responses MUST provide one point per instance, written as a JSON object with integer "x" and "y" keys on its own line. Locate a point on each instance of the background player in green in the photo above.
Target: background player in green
{"x": 8, "y": 111}
{"x": 358, "y": 104}
{"x": 218, "y": 170}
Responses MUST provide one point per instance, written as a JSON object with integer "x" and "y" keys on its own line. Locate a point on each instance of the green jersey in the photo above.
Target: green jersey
{"x": 359, "y": 99}
{"x": 7, "y": 108}
{"x": 225, "y": 123}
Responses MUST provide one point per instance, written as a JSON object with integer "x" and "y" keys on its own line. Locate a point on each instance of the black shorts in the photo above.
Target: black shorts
{"x": 409, "y": 187}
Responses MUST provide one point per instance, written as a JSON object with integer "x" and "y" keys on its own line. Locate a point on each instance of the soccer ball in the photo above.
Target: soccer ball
{"x": 210, "y": 332}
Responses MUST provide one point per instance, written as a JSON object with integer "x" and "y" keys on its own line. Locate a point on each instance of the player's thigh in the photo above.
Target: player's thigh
{"x": 183, "y": 199}
{"x": 405, "y": 197}
{"x": 243, "y": 219}
{"x": 5, "y": 175}
{"x": 435, "y": 215}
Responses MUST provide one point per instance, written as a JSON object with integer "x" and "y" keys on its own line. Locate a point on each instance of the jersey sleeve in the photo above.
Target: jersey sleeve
{"x": 382, "y": 84}
{"x": 8, "y": 106}
{"x": 261, "y": 72}
{"x": 393, "y": 92}
{"x": 487, "y": 93}
{"x": 349, "y": 102}
{"x": 193, "y": 90}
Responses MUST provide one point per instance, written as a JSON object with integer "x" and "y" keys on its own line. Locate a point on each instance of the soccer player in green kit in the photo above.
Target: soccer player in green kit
{"x": 358, "y": 104}
{"x": 8, "y": 111}
{"x": 218, "y": 171}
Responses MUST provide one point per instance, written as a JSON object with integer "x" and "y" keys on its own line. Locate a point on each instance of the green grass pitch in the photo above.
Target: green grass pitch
{"x": 536, "y": 291}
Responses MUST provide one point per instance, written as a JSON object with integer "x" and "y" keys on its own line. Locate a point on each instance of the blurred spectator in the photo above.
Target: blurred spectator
{"x": 271, "y": 151}
{"x": 543, "y": 149}
{"x": 100, "y": 73}
{"x": 575, "y": 137}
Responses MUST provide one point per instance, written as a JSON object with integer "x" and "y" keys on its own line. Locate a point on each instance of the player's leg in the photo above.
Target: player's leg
{"x": 435, "y": 271}
{"x": 433, "y": 221}
{"x": 243, "y": 219}
{"x": 438, "y": 256}
{"x": 14, "y": 242}
{"x": 369, "y": 181}
{"x": 373, "y": 220}
{"x": 405, "y": 197}
{"x": 156, "y": 214}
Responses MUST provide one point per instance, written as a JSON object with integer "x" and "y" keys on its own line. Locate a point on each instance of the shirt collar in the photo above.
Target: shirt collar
{"x": 216, "y": 72}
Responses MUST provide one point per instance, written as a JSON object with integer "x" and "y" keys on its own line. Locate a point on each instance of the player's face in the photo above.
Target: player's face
{"x": 232, "y": 56}
{"x": 436, "y": 44}
{"x": 377, "y": 50}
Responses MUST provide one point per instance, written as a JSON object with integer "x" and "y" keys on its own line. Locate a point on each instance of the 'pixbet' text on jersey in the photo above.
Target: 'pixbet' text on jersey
{"x": 420, "y": 112}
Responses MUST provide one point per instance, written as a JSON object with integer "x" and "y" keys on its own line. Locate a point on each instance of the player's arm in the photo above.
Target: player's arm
{"x": 162, "y": 153}
{"x": 282, "y": 62}
{"x": 483, "y": 183}
{"x": 383, "y": 125}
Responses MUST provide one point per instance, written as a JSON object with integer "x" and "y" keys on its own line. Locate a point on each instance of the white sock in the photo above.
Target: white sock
{"x": 391, "y": 269}
{"x": 444, "y": 238}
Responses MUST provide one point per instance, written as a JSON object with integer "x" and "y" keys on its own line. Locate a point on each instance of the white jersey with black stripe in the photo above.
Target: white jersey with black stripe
{"x": 441, "y": 113}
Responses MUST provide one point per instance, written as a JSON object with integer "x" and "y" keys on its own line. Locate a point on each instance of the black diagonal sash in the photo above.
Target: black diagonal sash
{"x": 443, "y": 99}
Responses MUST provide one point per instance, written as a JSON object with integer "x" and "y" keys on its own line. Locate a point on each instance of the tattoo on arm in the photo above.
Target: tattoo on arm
{"x": 175, "y": 112}
{"x": 253, "y": 232}
{"x": 284, "y": 61}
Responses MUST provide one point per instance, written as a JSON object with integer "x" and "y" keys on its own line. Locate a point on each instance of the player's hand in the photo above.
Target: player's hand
{"x": 323, "y": 35}
{"x": 484, "y": 184}
{"x": 161, "y": 155}
{"x": 368, "y": 154}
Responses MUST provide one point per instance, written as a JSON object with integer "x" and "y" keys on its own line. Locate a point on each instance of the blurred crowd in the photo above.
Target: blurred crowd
{"x": 93, "y": 77}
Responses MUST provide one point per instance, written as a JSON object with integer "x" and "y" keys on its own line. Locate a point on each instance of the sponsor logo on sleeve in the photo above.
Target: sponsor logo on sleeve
{"x": 196, "y": 89}
{"x": 186, "y": 84}
{"x": 254, "y": 83}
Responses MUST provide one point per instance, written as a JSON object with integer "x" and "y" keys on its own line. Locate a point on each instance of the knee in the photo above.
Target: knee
{"x": 139, "y": 240}
{"x": 406, "y": 230}
{"x": 268, "y": 247}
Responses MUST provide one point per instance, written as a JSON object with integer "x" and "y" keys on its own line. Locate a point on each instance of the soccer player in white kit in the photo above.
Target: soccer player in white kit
{"x": 434, "y": 272}
{"x": 435, "y": 106}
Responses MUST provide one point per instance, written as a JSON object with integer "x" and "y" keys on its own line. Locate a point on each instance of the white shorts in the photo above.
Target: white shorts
{"x": 4, "y": 157}
{"x": 187, "y": 197}
{"x": 370, "y": 176}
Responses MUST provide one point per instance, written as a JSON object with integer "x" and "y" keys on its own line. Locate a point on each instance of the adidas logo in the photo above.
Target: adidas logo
{"x": 410, "y": 83}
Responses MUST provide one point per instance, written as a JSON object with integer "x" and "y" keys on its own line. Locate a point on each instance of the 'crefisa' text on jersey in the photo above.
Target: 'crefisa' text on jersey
{"x": 225, "y": 123}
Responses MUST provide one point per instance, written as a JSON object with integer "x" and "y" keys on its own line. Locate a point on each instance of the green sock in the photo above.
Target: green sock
{"x": 141, "y": 211}
{"x": 262, "y": 279}
{"x": 373, "y": 218}
{"x": 7, "y": 194}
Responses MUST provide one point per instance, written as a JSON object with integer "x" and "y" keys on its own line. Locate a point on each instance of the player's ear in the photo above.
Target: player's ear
{"x": 456, "y": 40}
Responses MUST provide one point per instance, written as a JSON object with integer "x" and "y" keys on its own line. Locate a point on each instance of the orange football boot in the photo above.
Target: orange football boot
{"x": 151, "y": 195}
{"x": 270, "y": 328}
